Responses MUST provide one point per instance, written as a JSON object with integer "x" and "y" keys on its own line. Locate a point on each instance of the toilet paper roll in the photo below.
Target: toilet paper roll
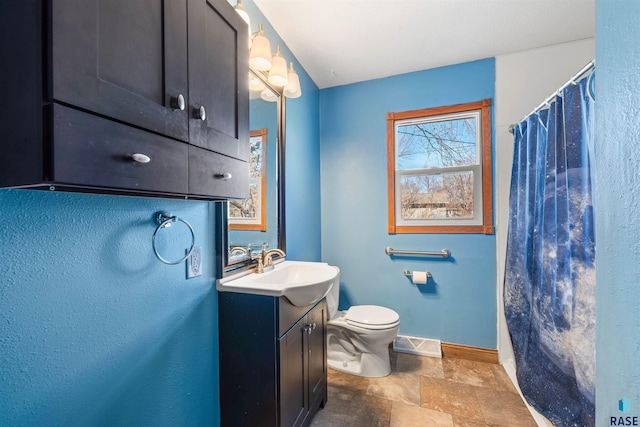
{"x": 419, "y": 277}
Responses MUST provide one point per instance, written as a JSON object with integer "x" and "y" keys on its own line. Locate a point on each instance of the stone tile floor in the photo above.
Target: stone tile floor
{"x": 422, "y": 392}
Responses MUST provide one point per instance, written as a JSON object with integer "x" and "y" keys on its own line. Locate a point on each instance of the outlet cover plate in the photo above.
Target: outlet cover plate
{"x": 194, "y": 263}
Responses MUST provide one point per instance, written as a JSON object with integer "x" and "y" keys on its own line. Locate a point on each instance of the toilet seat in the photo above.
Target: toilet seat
{"x": 372, "y": 317}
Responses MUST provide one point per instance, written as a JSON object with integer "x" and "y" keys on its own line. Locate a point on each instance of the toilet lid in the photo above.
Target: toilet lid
{"x": 371, "y": 315}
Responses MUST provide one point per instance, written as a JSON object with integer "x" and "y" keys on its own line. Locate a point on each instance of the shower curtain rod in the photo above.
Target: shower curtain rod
{"x": 546, "y": 102}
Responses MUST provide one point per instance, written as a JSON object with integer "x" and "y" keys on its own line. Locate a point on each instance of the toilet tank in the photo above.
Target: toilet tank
{"x": 334, "y": 295}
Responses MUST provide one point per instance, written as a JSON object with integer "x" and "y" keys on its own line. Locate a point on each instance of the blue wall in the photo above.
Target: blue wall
{"x": 302, "y": 167}
{"x": 617, "y": 178}
{"x": 459, "y": 304}
{"x": 94, "y": 330}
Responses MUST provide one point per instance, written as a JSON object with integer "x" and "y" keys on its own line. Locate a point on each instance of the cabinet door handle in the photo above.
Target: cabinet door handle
{"x": 177, "y": 102}
{"x": 200, "y": 113}
{"x": 141, "y": 158}
{"x": 310, "y": 327}
{"x": 224, "y": 176}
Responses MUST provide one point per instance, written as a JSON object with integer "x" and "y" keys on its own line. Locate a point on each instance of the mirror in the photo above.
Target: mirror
{"x": 244, "y": 226}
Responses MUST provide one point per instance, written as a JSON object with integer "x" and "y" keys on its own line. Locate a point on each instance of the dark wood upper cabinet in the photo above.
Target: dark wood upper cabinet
{"x": 123, "y": 59}
{"x": 217, "y": 78}
{"x": 97, "y": 83}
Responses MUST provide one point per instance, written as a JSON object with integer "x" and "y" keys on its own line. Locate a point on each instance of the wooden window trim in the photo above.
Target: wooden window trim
{"x": 487, "y": 178}
{"x": 263, "y": 190}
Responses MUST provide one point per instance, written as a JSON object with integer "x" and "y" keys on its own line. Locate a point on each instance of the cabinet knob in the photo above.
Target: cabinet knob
{"x": 141, "y": 158}
{"x": 177, "y": 102}
{"x": 200, "y": 113}
{"x": 310, "y": 327}
{"x": 224, "y": 176}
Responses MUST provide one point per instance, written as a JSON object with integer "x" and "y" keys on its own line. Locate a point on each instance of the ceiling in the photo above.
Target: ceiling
{"x": 340, "y": 42}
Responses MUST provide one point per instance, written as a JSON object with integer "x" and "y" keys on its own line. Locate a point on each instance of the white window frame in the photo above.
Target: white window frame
{"x": 475, "y": 169}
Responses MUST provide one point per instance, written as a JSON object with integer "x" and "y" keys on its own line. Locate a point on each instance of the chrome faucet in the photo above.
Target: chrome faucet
{"x": 265, "y": 258}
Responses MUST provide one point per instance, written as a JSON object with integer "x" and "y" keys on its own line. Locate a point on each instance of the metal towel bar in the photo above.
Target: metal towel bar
{"x": 445, "y": 253}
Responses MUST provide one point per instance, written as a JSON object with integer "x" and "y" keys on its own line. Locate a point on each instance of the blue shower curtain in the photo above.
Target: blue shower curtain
{"x": 550, "y": 268}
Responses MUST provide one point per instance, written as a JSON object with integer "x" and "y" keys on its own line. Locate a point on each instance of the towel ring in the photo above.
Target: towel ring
{"x": 164, "y": 220}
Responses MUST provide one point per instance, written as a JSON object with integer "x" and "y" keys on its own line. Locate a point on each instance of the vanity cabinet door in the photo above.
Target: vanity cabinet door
{"x": 123, "y": 59}
{"x": 317, "y": 354}
{"x": 293, "y": 389}
{"x": 303, "y": 368}
{"x": 218, "y": 79}
{"x": 272, "y": 361}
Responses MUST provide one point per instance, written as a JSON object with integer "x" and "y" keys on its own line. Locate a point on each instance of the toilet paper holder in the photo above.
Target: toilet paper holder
{"x": 408, "y": 273}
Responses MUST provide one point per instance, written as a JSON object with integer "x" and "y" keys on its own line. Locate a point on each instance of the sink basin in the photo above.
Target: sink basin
{"x": 302, "y": 283}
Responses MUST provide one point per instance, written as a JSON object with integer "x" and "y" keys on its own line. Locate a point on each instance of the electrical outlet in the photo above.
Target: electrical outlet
{"x": 194, "y": 263}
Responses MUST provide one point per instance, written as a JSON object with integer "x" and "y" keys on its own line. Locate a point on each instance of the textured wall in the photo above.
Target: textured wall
{"x": 617, "y": 178}
{"x": 302, "y": 169}
{"x": 459, "y": 304}
{"x": 94, "y": 330}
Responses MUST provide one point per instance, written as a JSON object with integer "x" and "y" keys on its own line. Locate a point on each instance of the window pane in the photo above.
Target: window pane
{"x": 437, "y": 196}
{"x": 436, "y": 144}
{"x": 255, "y": 158}
{"x": 246, "y": 208}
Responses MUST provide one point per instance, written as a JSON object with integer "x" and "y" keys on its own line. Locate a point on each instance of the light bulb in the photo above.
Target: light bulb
{"x": 268, "y": 95}
{"x": 255, "y": 84}
{"x": 260, "y": 54}
{"x": 245, "y": 17}
{"x": 278, "y": 71}
{"x": 292, "y": 89}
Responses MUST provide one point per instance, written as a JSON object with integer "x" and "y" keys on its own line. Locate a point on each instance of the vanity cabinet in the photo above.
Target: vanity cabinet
{"x": 273, "y": 369}
{"x": 137, "y": 97}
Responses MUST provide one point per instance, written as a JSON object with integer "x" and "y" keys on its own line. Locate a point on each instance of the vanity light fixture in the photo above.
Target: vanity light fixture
{"x": 268, "y": 95}
{"x": 292, "y": 89}
{"x": 240, "y": 10}
{"x": 255, "y": 84}
{"x": 274, "y": 66}
{"x": 278, "y": 70}
{"x": 260, "y": 53}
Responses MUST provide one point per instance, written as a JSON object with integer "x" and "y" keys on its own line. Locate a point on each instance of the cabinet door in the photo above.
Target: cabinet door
{"x": 124, "y": 59}
{"x": 317, "y": 354}
{"x": 293, "y": 385}
{"x": 218, "y": 78}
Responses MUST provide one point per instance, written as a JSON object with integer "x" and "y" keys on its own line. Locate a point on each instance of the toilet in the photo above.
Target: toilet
{"x": 358, "y": 338}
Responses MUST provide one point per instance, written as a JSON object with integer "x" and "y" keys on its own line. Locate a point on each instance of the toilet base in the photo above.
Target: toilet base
{"x": 363, "y": 365}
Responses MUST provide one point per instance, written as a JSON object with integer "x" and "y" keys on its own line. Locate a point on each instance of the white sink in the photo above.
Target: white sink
{"x": 302, "y": 283}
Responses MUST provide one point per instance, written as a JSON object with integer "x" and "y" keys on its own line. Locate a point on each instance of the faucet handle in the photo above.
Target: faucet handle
{"x": 260, "y": 268}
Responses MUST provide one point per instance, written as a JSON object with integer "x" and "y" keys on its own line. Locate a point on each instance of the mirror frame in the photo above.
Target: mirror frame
{"x": 221, "y": 208}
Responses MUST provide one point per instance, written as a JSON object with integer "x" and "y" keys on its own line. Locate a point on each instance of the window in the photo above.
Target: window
{"x": 251, "y": 213}
{"x": 439, "y": 170}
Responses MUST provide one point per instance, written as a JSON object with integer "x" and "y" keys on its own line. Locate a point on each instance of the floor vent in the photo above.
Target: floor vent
{"x": 421, "y": 346}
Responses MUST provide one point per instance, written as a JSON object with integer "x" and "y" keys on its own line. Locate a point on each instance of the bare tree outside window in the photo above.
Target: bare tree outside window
{"x": 438, "y": 196}
{"x": 248, "y": 208}
{"x": 440, "y": 169}
{"x": 250, "y": 213}
{"x": 437, "y": 144}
